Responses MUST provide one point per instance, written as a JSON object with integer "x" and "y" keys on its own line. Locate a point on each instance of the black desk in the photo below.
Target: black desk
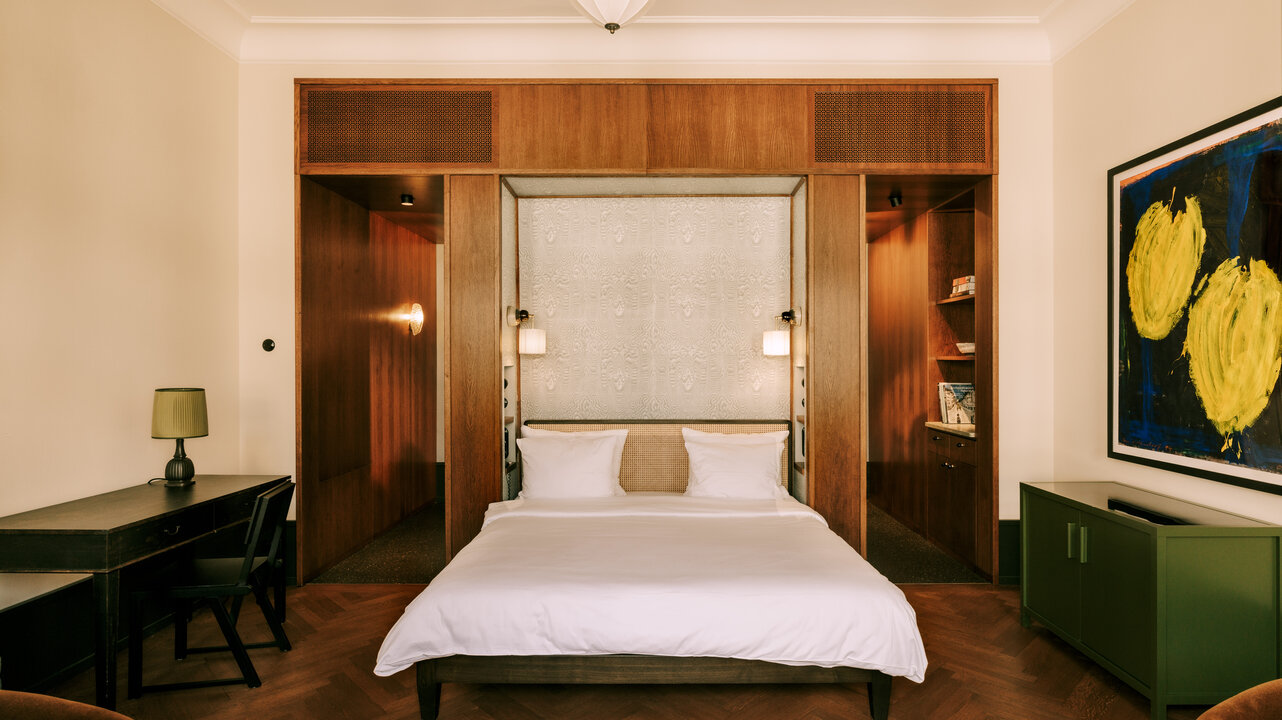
{"x": 104, "y": 533}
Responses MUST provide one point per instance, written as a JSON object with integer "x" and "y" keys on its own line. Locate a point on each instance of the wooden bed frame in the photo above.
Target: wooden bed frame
{"x": 632, "y": 669}
{"x": 644, "y": 669}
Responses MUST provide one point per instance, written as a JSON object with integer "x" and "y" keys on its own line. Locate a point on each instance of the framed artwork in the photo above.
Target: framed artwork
{"x": 1195, "y": 303}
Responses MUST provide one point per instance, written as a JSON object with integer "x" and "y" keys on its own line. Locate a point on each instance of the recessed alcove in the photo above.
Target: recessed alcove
{"x": 637, "y": 363}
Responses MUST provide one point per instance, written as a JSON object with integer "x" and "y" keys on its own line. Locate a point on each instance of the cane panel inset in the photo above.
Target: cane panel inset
{"x": 938, "y": 126}
{"x": 398, "y": 126}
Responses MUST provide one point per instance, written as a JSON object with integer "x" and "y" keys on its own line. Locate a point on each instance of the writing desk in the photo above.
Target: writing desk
{"x": 107, "y": 532}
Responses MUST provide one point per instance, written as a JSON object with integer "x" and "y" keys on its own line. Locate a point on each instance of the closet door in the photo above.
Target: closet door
{"x": 836, "y": 364}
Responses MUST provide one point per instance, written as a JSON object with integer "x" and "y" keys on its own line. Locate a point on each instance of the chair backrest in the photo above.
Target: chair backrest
{"x": 266, "y": 527}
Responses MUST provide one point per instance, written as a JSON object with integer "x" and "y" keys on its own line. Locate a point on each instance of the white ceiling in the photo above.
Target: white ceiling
{"x": 553, "y": 33}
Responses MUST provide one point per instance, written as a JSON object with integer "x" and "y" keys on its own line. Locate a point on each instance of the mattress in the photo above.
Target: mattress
{"x": 660, "y": 574}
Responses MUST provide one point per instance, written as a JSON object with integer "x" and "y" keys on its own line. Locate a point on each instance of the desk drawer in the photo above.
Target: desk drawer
{"x": 156, "y": 535}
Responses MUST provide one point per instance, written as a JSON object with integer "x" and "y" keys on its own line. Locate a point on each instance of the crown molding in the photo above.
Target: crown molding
{"x": 649, "y": 41}
{"x": 1068, "y": 24}
{"x": 220, "y": 23}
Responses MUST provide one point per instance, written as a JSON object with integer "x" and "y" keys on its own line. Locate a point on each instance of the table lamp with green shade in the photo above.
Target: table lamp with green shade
{"x": 179, "y": 413}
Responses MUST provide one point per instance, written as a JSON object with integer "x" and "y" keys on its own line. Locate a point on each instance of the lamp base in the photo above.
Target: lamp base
{"x": 180, "y": 469}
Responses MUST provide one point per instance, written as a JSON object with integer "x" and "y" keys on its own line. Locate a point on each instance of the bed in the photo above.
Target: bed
{"x": 654, "y": 586}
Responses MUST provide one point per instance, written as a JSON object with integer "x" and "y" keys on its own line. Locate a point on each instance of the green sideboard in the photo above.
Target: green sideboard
{"x": 1187, "y": 614}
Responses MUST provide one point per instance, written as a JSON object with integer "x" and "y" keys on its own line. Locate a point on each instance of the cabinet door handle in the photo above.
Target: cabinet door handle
{"x": 936, "y": 438}
{"x": 1084, "y": 544}
{"x": 947, "y": 465}
{"x": 961, "y": 444}
{"x": 1072, "y": 528}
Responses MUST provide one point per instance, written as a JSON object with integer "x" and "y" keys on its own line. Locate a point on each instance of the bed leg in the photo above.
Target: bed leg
{"x": 879, "y": 695}
{"x": 429, "y": 691}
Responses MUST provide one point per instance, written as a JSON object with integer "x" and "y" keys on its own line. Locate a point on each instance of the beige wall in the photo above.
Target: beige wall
{"x": 117, "y": 245}
{"x": 1158, "y": 71}
{"x": 1024, "y": 196}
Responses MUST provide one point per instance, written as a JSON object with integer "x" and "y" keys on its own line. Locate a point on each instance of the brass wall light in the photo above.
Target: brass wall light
{"x": 777, "y": 343}
{"x": 416, "y": 319}
{"x": 516, "y": 316}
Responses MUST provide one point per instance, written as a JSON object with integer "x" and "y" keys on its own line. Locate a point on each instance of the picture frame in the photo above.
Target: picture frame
{"x": 1195, "y": 304}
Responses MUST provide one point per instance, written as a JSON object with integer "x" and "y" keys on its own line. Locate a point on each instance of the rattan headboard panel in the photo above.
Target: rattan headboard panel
{"x": 654, "y": 456}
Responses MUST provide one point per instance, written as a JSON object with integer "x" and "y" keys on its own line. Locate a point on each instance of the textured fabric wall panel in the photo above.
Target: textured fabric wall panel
{"x": 654, "y": 306}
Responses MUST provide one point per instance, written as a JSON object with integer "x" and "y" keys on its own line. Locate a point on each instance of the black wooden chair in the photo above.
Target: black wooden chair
{"x": 212, "y": 581}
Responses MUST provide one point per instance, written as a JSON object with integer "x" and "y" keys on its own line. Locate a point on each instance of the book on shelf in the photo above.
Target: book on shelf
{"x": 957, "y": 403}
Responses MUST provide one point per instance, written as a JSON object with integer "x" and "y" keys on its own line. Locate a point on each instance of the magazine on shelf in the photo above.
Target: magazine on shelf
{"x": 957, "y": 403}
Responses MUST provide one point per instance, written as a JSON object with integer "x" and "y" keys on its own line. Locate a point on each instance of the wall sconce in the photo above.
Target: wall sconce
{"x": 416, "y": 319}
{"x": 776, "y": 343}
{"x": 532, "y": 341}
{"x": 407, "y": 200}
{"x": 516, "y": 316}
{"x": 896, "y": 198}
{"x": 790, "y": 316}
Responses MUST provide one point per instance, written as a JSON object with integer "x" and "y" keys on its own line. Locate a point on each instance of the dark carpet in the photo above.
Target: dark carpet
{"x": 412, "y": 551}
{"x": 903, "y": 556}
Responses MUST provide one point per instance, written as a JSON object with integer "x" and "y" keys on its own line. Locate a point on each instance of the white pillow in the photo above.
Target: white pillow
{"x": 567, "y": 467}
{"x": 621, "y": 436}
{"x": 735, "y": 438}
{"x": 734, "y": 470}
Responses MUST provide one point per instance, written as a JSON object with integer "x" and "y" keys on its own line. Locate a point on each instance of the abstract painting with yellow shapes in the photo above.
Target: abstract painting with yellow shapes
{"x": 1195, "y": 303}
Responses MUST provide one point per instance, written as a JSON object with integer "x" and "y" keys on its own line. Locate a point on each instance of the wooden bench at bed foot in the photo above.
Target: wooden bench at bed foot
{"x": 631, "y": 670}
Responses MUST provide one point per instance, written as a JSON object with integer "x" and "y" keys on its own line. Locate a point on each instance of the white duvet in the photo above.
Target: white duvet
{"x": 656, "y": 574}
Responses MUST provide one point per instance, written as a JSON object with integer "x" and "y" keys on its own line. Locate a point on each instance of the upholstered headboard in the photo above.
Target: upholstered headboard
{"x": 654, "y": 456}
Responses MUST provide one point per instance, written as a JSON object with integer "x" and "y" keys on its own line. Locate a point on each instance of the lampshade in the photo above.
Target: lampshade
{"x": 532, "y": 341}
{"x": 775, "y": 342}
{"x": 612, "y": 14}
{"x": 179, "y": 413}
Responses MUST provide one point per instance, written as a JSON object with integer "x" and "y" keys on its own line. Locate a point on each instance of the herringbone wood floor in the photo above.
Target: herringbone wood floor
{"x": 982, "y": 665}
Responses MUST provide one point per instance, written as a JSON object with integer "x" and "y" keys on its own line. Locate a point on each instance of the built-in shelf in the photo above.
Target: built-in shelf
{"x": 958, "y": 299}
{"x": 958, "y": 429}
{"x": 799, "y": 467}
{"x": 955, "y": 358}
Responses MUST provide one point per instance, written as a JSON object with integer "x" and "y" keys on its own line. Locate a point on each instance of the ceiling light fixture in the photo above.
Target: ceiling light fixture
{"x": 612, "y": 14}
{"x": 407, "y": 200}
{"x": 896, "y": 198}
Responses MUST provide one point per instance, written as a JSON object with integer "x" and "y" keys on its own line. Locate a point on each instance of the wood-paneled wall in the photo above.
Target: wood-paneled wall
{"x": 402, "y": 369}
{"x": 986, "y": 369}
{"x": 587, "y": 126}
{"x": 473, "y": 365}
{"x": 366, "y": 401}
{"x": 648, "y": 126}
{"x": 728, "y": 127}
{"x": 897, "y": 359}
{"x": 836, "y": 362}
